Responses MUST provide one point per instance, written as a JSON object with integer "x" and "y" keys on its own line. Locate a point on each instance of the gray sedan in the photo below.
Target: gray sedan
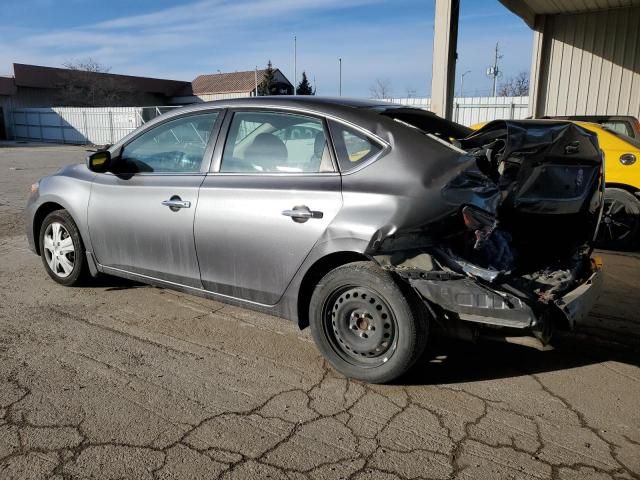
{"x": 375, "y": 224}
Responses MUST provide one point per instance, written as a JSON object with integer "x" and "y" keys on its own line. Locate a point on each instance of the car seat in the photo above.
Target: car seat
{"x": 267, "y": 152}
{"x": 320, "y": 160}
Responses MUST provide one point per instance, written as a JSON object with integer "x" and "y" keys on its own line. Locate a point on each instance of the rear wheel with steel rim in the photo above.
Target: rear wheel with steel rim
{"x": 620, "y": 221}
{"x": 61, "y": 248}
{"x": 365, "y": 324}
{"x": 360, "y": 326}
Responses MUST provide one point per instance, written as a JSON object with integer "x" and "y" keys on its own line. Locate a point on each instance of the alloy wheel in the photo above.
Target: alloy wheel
{"x": 616, "y": 224}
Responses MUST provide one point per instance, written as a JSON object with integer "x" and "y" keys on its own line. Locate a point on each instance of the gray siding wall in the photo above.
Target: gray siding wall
{"x": 6, "y": 104}
{"x": 588, "y": 63}
{"x": 49, "y": 97}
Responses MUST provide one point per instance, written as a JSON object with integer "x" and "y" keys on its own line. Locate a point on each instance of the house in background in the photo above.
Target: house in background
{"x": 219, "y": 86}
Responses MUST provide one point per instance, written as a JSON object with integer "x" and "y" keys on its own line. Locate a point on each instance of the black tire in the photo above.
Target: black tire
{"x": 366, "y": 324}
{"x": 620, "y": 222}
{"x": 77, "y": 259}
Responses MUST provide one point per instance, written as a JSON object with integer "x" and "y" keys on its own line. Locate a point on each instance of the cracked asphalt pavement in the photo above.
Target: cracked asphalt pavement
{"x": 120, "y": 380}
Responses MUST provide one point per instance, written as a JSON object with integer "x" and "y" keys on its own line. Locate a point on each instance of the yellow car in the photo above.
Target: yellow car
{"x": 620, "y": 226}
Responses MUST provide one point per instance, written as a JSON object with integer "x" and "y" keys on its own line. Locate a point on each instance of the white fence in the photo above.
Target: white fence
{"x": 470, "y": 110}
{"x": 100, "y": 126}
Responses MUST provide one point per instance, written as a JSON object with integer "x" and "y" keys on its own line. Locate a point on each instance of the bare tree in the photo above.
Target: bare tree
{"x": 381, "y": 88}
{"x": 515, "y": 86}
{"x": 86, "y": 65}
{"x": 86, "y": 83}
{"x": 411, "y": 92}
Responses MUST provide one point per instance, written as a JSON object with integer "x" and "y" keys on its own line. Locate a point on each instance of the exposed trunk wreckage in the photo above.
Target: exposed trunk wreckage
{"x": 511, "y": 256}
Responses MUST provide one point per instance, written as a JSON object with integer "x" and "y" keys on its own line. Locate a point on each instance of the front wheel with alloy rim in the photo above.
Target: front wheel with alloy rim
{"x": 366, "y": 324}
{"x": 61, "y": 248}
{"x": 620, "y": 221}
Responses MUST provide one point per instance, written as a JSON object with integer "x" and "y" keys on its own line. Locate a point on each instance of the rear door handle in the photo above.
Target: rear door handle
{"x": 302, "y": 213}
{"x": 175, "y": 203}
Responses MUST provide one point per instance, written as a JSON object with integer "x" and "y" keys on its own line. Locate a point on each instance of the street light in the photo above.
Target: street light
{"x": 462, "y": 82}
{"x": 339, "y": 77}
{"x": 295, "y": 63}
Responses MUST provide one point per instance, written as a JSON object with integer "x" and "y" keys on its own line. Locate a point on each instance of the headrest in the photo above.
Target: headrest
{"x": 267, "y": 146}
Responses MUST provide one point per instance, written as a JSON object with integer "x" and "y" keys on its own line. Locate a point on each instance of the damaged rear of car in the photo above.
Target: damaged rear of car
{"x": 511, "y": 259}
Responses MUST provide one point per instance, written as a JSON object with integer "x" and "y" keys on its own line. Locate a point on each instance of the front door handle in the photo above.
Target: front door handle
{"x": 175, "y": 203}
{"x": 302, "y": 213}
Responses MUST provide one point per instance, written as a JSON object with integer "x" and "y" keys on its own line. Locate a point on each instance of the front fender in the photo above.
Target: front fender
{"x": 72, "y": 194}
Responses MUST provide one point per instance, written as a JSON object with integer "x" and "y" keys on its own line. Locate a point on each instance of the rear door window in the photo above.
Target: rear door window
{"x": 276, "y": 142}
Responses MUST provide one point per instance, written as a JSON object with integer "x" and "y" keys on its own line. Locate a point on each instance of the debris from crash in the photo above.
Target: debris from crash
{"x": 525, "y": 204}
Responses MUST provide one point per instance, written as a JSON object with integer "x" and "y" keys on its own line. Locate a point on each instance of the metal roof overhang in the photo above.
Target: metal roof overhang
{"x": 529, "y": 9}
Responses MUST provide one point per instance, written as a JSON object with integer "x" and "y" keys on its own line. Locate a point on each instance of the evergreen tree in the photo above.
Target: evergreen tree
{"x": 268, "y": 85}
{"x": 304, "y": 87}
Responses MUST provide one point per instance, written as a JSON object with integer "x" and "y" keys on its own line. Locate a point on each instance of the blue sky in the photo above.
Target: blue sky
{"x": 390, "y": 40}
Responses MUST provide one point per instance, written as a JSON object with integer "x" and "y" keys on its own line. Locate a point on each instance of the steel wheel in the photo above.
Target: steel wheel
{"x": 366, "y": 324}
{"x": 360, "y": 326}
{"x": 59, "y": 251}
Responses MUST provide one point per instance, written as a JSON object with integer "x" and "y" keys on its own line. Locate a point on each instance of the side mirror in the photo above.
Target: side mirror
{"x": 99, "y": 161}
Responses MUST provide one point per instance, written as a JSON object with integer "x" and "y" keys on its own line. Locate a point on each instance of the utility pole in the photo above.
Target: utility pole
{"x": 462, "y": 82}
{"x": 494, "y": 71}
{"x": 295, "y": 63}
{"x": 339, "y": 77}
{"x": 445, "y": 41}
{"x": 256, "y": 78}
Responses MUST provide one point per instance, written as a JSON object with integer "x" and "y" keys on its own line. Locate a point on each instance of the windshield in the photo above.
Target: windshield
{"x": 633, "y": 141}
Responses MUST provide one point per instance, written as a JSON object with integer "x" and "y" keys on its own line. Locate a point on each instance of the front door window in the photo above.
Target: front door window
{"x": 177, "y": 146}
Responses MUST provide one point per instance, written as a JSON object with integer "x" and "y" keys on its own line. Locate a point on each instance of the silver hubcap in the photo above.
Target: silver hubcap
{"x": 58, "y": 250}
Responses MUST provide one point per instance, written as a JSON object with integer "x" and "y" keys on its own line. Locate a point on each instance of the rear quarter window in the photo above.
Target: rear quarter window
{"x": 353, "y": 148}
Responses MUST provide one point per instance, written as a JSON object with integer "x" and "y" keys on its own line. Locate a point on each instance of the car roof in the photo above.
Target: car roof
{"x": 303, "y": 100}
{"x": 337, "y": 106}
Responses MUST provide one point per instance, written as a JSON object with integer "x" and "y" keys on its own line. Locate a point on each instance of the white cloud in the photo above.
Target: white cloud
{"x": 203, "y": 36}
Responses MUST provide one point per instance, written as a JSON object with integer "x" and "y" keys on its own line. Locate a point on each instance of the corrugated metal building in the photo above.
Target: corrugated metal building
{"x": 38, "y": 86}
{"x": 7, "y": 91}
{"x": 586, "y": 56}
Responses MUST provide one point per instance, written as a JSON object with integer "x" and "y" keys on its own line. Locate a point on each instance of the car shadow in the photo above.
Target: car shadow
{"x": 110, "y": 283}
{"x": 450, "y": 361}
